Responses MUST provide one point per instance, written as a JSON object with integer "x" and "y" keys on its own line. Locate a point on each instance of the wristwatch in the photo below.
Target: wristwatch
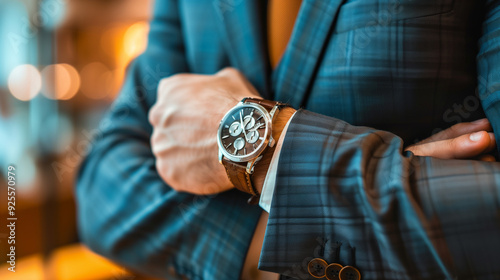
{"x": 244, "y": 135}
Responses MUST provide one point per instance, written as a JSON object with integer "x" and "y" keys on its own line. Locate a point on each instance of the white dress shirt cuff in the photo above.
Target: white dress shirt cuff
{"x": 266, "y": 196}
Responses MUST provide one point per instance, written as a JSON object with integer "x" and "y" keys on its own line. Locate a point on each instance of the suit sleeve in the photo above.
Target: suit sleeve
{"x": 350, "y": 195}
{"x": 489, "y": 65}
{"x": 127, "y": 213}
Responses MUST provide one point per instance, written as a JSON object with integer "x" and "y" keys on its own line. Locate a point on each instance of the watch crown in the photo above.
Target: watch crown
{"x": 271, "y": 142}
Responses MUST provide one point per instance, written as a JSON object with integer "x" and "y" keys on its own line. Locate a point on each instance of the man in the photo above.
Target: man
{"x": 344, "y": 196}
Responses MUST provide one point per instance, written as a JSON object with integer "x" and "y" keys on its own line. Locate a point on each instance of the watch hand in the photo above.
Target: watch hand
{"x": 253, "y": 135}
{"x": 242, "y": 126}
{"x": 255, "y": 127}
{"x": 246, "y": 121}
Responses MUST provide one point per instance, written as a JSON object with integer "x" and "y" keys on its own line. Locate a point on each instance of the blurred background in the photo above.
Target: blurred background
{"x": 62, "y": 63}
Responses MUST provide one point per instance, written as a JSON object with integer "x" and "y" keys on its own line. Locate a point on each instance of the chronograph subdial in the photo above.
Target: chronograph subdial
{"x": 243, "y": 137}
{"x": 235, "y": 128}
{"x": 239, "y": 144}
{"x": 253, "y": 136}
{"x": 249, "y": 122}
{"x": 243, "y": 132}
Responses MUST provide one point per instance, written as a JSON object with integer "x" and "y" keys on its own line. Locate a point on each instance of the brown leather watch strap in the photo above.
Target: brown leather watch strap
{"x": 268, "y": 104}
{"x": 239, "y": 177}
{"x": 237, "y": 172}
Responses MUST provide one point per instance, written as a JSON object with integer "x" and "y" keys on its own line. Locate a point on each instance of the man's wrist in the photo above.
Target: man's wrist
{"x": 262, "y": 166}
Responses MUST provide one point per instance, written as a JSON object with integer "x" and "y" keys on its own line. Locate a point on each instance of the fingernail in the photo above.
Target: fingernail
{"x": 480, "y": 121}
{"x": 476, "y": 136}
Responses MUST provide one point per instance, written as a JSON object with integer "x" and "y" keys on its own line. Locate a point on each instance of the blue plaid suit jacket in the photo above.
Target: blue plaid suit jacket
{"x": 372, "y": 76}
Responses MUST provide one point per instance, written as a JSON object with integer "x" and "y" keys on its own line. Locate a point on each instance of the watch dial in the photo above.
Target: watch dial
{"x": 243, "y": 131}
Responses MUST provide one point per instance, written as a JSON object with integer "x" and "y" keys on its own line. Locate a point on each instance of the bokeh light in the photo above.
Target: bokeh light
{"x": 27, "y": 161}
{"x": 60, "y": 81}
{"x": 25, "y": 82}
{"x": 96, "y": 83}
{"x": 62, "y": 64}
{"x": 135, "y": 39}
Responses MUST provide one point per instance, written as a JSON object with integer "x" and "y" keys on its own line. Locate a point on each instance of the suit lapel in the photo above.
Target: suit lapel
{"x": 293, "y": 76}
{"x": 243, "y": 25}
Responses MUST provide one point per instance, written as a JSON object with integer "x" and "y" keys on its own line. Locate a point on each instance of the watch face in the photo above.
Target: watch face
{"x": 243, "y": 132}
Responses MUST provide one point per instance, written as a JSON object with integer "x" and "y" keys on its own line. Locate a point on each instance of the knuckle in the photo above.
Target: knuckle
{"x": 173, "y": 182}
{"x": 160, "y": 166}
{"x": 166, "y": 173}
{"x": 154, "y": 140}
{"x": 453, "y": 143}
{"x": 168, "y": 85}
{"x": 229, "y": 72}
{"x": 179, "y": 77}
{"x": 152, "y": 116}
{"x": 163, "y": 84}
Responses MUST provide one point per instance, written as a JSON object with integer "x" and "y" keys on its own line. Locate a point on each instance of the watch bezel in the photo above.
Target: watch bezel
{"x": 265, "y": 142}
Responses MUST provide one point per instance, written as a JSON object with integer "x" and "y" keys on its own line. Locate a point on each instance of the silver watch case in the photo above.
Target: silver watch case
{"x": 253, "y": 157}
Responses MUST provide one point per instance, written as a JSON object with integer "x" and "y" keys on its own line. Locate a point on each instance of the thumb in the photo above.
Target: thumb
{"x": 462, "y": 147}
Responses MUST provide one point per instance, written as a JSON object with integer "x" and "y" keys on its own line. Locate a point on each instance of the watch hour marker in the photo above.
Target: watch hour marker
{"x": 226, "y": 126}
{"x": 260, "y": 117}
{"x": 229, "y": 145}
{"x": 255, "y": 148}
{"x": 233, "y": 117}
{"x": 261, "y": 138}
{"x": 225, "y": 136}
{"x": 245, "y": 150}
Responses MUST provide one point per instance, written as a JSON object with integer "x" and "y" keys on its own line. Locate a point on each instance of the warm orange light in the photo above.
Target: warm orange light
{"x": 135, "y": 39}
{"x": 61, "y": 81}
{"x": 73, "y": 263}
{"x": 95, "y": 81}
{"x": 32, "y": 268}
{"x": 25, "y": 82}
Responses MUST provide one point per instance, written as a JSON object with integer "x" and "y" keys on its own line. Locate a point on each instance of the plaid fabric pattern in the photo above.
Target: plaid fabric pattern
{"x": 398, "y": 67}
{"x": 349, "y": 188}
{"x": 406, "y": 68}
{"x": 393, "y": 216}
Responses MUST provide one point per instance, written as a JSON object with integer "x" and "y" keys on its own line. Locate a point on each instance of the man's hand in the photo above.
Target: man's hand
{"x": 461, "y": 141}
{"x": 185, "y": 119}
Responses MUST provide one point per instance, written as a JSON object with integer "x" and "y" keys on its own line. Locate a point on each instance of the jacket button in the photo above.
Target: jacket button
{"x": 332, "y": 271}
{"x": 349, "y": 273}
{"x": 317, "y": 267}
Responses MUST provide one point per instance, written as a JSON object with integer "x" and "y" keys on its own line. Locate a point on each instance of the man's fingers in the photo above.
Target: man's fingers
{"x": 462, "y": 147}
{"x": 493, "y": 142}
{"x": 459, "y": 129}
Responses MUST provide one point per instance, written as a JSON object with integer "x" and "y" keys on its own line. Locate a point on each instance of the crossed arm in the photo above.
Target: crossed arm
{"x": 369, "y": 161}
{"x": 150, "y": 227}
{"x": 146, "y": 225}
